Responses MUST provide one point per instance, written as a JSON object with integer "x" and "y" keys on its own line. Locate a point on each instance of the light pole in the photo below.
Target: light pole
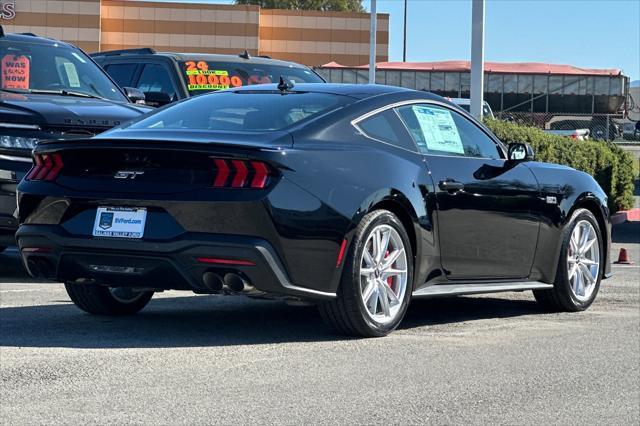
{"x": 404, "y": 42}
{"x": 477, "y": 58}
{"x": 372, "y": 43}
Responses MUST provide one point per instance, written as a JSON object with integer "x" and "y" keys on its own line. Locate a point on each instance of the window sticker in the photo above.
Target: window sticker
{"x": 15, "y": 72}
{"x": 202, "y": 78}
{"x": 439, "y": 129}
{"x": 72, "y": 74}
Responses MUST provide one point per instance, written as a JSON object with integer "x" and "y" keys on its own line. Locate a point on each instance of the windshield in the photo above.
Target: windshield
{"x": 243, "y": 111}
{"x": 203, "y": 76}
{"x": 28, "y": 66}
{"x": 486, "y": 111}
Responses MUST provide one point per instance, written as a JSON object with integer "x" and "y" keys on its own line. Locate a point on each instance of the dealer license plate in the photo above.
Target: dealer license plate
{"x": 120, "y": 222}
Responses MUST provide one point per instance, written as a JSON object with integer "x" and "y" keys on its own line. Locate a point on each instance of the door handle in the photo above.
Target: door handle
{"x": 451, "y": 185}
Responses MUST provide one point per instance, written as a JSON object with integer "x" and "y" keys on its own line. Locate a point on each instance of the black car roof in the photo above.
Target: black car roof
{"x": 215, "y": 57}
{"x": 32, "y": 38}
{"x": 209, "y": 57}
{"x": 360, "y": 91}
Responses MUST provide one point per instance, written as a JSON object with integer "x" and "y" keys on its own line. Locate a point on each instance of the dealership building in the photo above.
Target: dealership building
{"x": 307, "y": 37}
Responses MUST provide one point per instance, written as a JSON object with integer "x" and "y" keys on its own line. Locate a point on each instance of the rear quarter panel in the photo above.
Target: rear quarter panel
{"x": 352, "y": 174}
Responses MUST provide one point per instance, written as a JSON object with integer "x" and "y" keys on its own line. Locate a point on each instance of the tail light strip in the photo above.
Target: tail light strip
{"x": 47, "y": 167}
{"x": 240, "y": 174}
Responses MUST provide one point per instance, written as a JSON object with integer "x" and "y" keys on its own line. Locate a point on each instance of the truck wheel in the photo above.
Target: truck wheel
{"x": 376, "y": 283}
{"x": 100, "y": 300}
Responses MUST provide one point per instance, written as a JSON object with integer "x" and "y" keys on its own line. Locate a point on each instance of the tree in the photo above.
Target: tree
{"x": 326, "y": 5}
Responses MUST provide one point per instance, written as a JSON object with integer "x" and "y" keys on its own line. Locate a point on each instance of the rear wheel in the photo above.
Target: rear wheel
{"x": 579, "y": 268}
{"x": 101, "y": 300}
{"x": 375, "y": 288}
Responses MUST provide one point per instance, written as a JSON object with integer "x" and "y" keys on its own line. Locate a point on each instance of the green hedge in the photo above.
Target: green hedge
{"x": 611, "y": 166}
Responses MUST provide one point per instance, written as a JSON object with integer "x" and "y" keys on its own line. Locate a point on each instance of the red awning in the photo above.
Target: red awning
{"x": 494, "y": 67}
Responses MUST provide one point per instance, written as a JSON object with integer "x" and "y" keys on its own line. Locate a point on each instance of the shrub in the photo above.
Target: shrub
{"x": 609, "y": 164}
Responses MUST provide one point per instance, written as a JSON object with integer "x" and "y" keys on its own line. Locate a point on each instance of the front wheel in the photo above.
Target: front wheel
{"x": 100, "y": 300}
{"x": 376, "y": 283}
{"x": 579, "y": 268}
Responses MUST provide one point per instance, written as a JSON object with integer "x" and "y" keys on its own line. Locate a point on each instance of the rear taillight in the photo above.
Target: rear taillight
{"x": 47, "y": 167}
{"x": 240, "y": 174}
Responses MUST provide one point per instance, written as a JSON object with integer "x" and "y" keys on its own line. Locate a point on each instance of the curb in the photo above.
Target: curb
{"x": 632, "y": 215}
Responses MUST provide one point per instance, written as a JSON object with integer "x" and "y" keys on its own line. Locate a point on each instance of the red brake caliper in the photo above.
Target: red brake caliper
{"x": 389, "y": 279}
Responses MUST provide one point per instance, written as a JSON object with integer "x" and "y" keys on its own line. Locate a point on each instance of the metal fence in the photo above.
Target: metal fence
{"x": 588, "y": 126}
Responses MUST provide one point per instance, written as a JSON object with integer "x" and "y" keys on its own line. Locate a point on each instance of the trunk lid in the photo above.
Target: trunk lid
{"x": 147, "y": 166}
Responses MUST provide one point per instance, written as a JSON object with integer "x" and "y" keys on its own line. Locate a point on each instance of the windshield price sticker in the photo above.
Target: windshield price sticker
{"x": 202, "y": 78}
{"x": 439, "y": 129}
{"x": 15, "y": 72}
{"x": 72, "y": 74}
{"x": 207, "y": 72}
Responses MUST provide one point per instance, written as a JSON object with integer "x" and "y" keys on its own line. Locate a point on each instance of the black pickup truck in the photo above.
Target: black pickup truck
{"x": 49, "y": 90}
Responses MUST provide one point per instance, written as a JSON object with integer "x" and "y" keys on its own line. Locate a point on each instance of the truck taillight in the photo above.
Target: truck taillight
{"x": 47, "y": 167}
{"x": 240, "y": 174}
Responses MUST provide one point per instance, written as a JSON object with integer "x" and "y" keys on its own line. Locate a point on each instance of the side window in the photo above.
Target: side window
{"x": 385, "y": 126}
{"x": 440, "y": 131}
{"x": 121, "y": 73}
{"x": 156, "y": 78}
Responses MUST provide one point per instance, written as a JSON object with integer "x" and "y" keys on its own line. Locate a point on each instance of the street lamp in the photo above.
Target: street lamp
{"x": 477, "y": 58}
{"x": 372, "y": 43}
{"x": 404, "y": 42}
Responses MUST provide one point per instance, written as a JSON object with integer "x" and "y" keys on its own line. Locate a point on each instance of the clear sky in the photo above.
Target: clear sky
{"x": 585, "y": 33}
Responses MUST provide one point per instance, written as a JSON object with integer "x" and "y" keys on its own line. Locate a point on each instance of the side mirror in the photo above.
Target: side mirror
{"x": 520, "y": 152}
{"x": 157, "y": 98}
{"x": 135, "y": 95}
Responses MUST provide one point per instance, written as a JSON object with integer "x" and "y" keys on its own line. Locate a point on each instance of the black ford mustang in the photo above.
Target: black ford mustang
{"x": 356, "y": 197}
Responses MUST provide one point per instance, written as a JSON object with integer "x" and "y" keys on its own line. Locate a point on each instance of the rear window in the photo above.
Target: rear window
{"x": 203, "y": 76}
{"x": 243, "y": 111}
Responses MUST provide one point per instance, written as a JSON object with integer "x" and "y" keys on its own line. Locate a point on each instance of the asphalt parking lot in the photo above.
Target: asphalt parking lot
{"x": 206, "y": 359}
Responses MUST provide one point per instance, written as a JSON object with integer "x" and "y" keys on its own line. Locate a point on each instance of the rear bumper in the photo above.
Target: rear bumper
{"x": 48, "y": 251}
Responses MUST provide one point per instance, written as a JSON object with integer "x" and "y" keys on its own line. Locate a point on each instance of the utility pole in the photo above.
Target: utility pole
{"x": 372, "y": 43}
{"x": 477, "y": 58}
{"x": 404, "y": 42}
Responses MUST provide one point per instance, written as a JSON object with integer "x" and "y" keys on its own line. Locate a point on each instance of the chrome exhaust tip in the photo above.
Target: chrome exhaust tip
{"x": 234, "y": 283}
{"x": 212, "y": 281}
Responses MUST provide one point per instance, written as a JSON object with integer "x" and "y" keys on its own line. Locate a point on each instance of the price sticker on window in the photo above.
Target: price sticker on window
{"x": 15, "y": 72}
{"x": 200, "y": 77}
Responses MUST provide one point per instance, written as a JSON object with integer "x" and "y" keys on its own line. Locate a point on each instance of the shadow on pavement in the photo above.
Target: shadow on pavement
{"x": 217, "y": 321}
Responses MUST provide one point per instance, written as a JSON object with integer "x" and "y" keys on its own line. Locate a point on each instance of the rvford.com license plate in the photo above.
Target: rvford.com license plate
{"x": 120, "y": 222}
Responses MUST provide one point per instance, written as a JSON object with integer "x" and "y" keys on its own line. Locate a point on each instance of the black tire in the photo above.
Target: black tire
{"x": 561, "y": 297}
{"x": 99, "y": 300}
{"x": 2, "y": 249}
{"x": 347, "y": 313}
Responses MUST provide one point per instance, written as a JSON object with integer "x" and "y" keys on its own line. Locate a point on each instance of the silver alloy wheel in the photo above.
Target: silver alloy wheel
{"x": 383, "y": 274}
{"x": 583, "y": 260}
{"x": 124, "y": 294}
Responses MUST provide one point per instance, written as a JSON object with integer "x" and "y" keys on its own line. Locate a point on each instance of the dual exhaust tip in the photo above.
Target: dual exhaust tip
{"x": 231, "y": 282}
